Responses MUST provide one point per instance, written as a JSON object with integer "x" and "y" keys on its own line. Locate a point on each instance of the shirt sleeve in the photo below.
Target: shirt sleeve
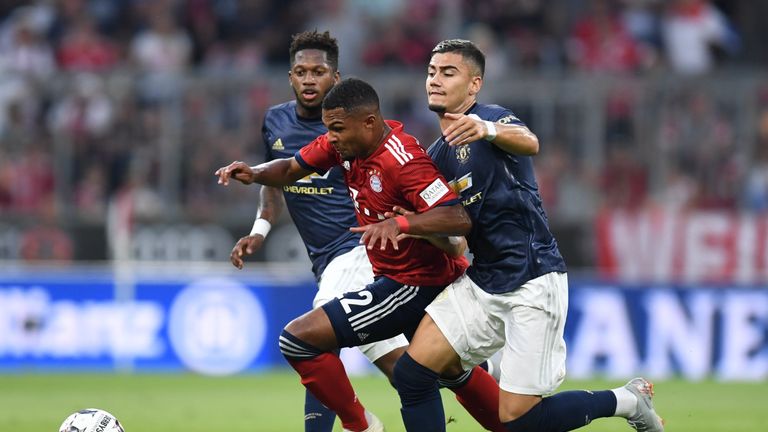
{"x": 318, "y": 156}
{"x": 423, "y": 186}
{"x": 505, "y": 116}
{"x": 265, "y": 139}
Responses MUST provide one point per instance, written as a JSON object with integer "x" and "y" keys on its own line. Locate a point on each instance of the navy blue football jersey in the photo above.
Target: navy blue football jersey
{"x": 510, "y": 239}
{"x": 319, "y": 205}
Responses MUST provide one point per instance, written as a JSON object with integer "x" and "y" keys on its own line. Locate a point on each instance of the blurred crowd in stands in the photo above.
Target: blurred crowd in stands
{"x": 136, "y": 102}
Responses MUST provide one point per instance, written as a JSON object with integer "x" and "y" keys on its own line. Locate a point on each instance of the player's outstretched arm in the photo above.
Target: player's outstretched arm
{"x": 516, "y": 139}
{"x": 512, "y": 138}
{"x": 270, "y": 206}
{"x": 279, "y": 172}
{"x": 454, "y": 246}
{"x": 438, "y": 221}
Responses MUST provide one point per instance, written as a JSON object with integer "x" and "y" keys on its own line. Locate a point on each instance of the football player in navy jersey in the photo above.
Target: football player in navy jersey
{"x": 515, "y": 297}
{"x": 318, "y": 204}
{"x": 383, "y": 167}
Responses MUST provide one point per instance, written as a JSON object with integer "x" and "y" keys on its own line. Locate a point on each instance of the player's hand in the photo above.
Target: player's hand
{"x": 237, "y": 170}
{"x": 245, "y": 246}
{"x": 385, "y": 231}
{"x": 399, "y": 211}
{"x": 464, "y": 129}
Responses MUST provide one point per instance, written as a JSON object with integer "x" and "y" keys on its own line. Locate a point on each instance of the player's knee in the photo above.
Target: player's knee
{"x": 386, "y": 363}
{"x": 413, "y": 381}
{"x": 315, "y": 329}
{"x": 294, "y": 348}
{"x": 296, "y": 327}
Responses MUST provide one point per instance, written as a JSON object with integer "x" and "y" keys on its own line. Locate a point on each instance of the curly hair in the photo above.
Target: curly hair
{"x": 315, "y": 40}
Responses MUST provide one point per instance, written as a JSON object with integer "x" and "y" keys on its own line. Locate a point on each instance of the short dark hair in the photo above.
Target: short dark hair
{"x": 314, "y": 40}
{"x": 467, "y": 49}
{"x": 351, "y": 94}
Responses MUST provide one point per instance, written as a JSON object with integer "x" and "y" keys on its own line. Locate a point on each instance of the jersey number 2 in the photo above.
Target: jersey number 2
{"x": 366, "y": 299}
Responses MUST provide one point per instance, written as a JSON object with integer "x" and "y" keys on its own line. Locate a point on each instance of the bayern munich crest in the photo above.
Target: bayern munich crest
{"x": 375, "y": 183}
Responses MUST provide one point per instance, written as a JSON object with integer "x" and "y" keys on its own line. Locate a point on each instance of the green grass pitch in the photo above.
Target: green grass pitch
{"x": 273, "y": 402}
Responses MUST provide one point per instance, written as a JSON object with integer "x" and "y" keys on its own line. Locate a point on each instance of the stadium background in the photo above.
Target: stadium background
{"x": 115, "y": 287}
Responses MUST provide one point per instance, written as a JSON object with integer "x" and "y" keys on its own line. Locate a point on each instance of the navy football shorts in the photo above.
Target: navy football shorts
{"x": 379, "y": 311}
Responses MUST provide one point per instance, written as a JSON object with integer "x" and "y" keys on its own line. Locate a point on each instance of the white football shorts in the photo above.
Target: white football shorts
{"x": 352, "y": 271}
{"x": 526, "y": 324}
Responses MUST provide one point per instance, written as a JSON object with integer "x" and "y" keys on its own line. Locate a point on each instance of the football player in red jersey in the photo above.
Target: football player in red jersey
{"x": 384, "y": 168}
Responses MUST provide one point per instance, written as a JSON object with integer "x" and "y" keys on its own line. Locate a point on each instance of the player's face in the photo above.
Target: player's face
{"x": 346, "y": 132}
{"x": 311, "y": 77}
{"x": 452, "y": 83}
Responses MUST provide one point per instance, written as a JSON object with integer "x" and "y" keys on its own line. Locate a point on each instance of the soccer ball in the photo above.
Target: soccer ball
{"x": 91, "y": 420}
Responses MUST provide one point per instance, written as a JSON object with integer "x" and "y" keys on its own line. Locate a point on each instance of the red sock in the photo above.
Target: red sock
{"x": 326, "y": 378}
{"x": 480, "y": 397}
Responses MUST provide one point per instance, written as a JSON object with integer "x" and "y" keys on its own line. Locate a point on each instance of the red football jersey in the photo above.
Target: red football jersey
{"x": 398, "y": 173}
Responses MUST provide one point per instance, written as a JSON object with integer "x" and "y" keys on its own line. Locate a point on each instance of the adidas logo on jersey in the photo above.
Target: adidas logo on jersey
{"x": 278, "y": 145}
{"x": 363, "y": 336}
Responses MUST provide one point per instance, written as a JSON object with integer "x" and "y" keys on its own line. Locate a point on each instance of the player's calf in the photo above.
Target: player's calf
{"x": 563, "y": 411}
{"x": 478, "y": 392}
{"x": 317, "y": 417}
{"x": 323, "y": 374}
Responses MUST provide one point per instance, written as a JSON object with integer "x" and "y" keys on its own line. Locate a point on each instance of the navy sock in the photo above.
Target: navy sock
{"x": 565, "y": 411}
{"x": 317, "y": 417}
{"x": 422, "y": 408}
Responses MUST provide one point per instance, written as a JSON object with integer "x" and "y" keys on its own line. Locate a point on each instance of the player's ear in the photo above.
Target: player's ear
{"x": 370, "y": 121}
{"x": 475, "y": 84}
{"x": 336, "y": 77}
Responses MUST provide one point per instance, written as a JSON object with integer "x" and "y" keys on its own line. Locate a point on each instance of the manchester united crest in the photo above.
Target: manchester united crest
{"x": 462, "y": 153}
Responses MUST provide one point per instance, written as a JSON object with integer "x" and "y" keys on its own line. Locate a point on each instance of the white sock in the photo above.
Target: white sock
{"x": 626, "y": 402}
